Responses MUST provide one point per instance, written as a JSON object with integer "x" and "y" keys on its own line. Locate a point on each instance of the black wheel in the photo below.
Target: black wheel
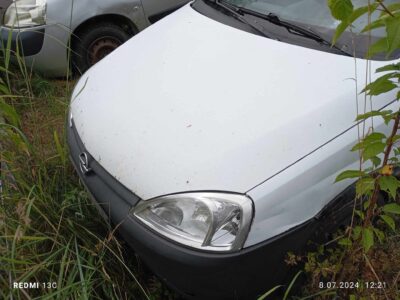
{"x": 95, "y": 42}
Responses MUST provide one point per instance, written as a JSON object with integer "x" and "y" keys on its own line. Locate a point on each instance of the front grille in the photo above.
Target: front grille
{"x": 102, "y": 185}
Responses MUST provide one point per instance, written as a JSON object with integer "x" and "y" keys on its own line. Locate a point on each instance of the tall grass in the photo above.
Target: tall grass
{"x": 50, "y": 232}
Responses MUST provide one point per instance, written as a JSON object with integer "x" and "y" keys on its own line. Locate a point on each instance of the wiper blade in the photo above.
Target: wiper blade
{"x": 292, "y": 28}
{"x": 235, "y": 12}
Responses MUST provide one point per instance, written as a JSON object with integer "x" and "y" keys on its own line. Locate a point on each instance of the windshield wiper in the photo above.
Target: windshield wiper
{"x": 274, "y": 19}
{"x": 233, "y": 10}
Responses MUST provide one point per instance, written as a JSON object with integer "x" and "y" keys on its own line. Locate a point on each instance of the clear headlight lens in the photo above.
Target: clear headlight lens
{"x": 209, "y": 221}
{"x": 25, "y": 13}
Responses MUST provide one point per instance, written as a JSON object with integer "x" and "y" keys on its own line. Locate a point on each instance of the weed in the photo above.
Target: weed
{"x": 50, "y": 233}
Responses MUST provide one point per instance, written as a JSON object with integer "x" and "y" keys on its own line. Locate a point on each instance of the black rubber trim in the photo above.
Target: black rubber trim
{"x": 102, "y": 185}
{"x": 244, "y": 274}
{"x": 158, "y": 16}
{"x": 30, "y": 42}
{"x": 213, "y": 12}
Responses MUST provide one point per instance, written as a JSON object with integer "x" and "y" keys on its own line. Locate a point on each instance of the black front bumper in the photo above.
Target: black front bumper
{"x": 203, "y": 275}
{"x": 27, "y": 42}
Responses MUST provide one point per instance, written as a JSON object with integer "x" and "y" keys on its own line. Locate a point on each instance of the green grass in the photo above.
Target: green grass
{"x": 50, "y": 232}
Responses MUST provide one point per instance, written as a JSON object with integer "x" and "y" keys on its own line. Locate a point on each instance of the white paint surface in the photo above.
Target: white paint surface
{"x": 191, "y": 104}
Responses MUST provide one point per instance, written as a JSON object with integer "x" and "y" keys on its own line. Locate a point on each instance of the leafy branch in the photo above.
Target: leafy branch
{"x": 379, "y": 179}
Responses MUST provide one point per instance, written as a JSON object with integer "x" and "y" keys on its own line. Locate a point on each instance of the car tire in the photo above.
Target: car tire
{"x": 95, "y": 42}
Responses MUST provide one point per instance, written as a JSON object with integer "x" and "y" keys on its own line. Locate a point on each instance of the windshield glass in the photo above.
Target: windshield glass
{"x": 315, "y": 16}
{"x": 308, "y": 12}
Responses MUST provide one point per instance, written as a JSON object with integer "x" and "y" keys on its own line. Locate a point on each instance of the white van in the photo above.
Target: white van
{"x": 214, "y": 137}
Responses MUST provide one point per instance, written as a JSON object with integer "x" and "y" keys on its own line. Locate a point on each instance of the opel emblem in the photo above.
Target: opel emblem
{"x": 84, "y": 163}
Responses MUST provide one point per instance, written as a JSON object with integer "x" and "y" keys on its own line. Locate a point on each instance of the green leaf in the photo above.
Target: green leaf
{"x": 373, "y": 113}
{"x": 392, "y": 8}
{"x": 366, "y": 204}
{"x": 390, "y": 185}
{"x": 374, "y": 137}
{"x": 269, "y": 292}
{"x": 371, "y": 141}
{"x": 8, "y": 112}
{"x": 373, "y": 25}
{"x": 339, "y": 31}
{"x": 376, "y": 161}
{"x": 389, "y": 221}
{"x": 392, "y": 208}
{"x": 80, "y": 268}
{"x": 391, "y": 67}
{"x": 286, "y": 295}
{"x": 388, "y": 118}
{"x": 359, "y": 213}
{"x": 357, "y": 232}
{"x": 379, "y": 234}
{"x": 341, "y": 9}
{"x": 373, "y": 149}
{"x": 395, "y": 138}
{"x": 396, "y": 151}
{"x": 348, "y": 21}
{"x": 345, "y": 242}
{"x": 365, "y": 186}
{"x": 367, "y": 239}
{"x": 393, "y": 33}
{"x": 60, "y": 148}
{"x": 349, "y": 174}
{"x": 4, "y": 90}
{"x": 358, "y": 146}
{"x": 380, "y": 86}
{"x": 21, "y": 135}
{"x": 378, "y": 47}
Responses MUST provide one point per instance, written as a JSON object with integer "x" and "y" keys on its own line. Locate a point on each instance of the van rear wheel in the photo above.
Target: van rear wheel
{"x": 95, "y": 42}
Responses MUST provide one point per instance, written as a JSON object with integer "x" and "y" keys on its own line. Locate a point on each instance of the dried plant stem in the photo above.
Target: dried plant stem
{"x": 381, "y": 4}
{"x": 388, "y": 150}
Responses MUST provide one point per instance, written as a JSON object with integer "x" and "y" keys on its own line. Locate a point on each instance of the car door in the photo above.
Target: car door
{"x": 156, "y": 9}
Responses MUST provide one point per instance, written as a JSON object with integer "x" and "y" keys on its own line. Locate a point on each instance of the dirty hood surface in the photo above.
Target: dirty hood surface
{"x": 191, "y": 104}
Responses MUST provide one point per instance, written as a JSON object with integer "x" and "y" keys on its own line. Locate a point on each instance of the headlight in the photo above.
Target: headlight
{"x": 25, "y": 13}
{"x": 208, "y": 221}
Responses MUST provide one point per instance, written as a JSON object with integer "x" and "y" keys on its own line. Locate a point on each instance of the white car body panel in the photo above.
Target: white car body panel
{"x": 203, "y": 106}
{"x": 301, "y": 191}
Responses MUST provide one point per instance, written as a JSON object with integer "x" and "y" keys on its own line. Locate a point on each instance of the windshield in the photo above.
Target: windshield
{"x": 306, "y": 23}
{"x": 314, "y": 17}
{"x": 309, "y": 12}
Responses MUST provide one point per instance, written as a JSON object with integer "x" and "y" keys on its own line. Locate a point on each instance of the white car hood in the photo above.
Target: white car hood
{"x": 192, "y": 104}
